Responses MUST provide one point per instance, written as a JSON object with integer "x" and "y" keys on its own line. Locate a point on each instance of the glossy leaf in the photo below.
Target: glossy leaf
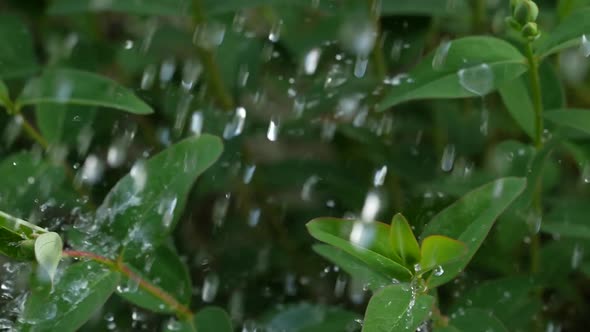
{"x": 305, "y": 317}
{"x": 397, "y": 308}
{"x": 61, "y": 123}
{"x": 75, "y": 87}
{"x": 569, "y": 230}
{"x": 353, "y": 266}
{"x": 213, "y": 319}
{"x": 142, "y": 209}
{"x": 470, "y": 219}
{"x": 163, "y": 269}
{"x": 77, "y": 295}
{"x": 470, "y": 67}
{"x": 138, "y": 7}
{"x": 518, "y": 102}
{"x": 438, "y": 250}
{"x": 476, "y": 320}
{"x": 17, "y": 238}
{"x": 374, "y": 248}
{"x": 574, "y": 118}
{"x": 567, "y": 34}
{"x": 48, "y": 251}
{"x": 403, "y": 241}
{"x": 17, "y": 58}
{"x": 424, "y": 7}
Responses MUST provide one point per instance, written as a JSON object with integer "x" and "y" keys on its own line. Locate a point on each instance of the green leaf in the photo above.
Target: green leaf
{"x": 397, "y": 308}
{"x": 438, "y": 250}
{"x": 208, "y": 319}
{"x": 69, "y": 86}
{"x": 476, "y": 320}
{"x": 424, "y": 7}
{"x": 403, "y": 241}
{"x": 305, "y": 317}
{"x": 24, "y": 228}
{"x": 574, "y": 118}
{"x": 518, "y": 102}
{"x": 143, "y": 208}
{"x": 17, "y": 237}
{"x": 163, "y": 269}
{"x": 470, "y": 67}
{"x": 470, "y": 219}
{"x": 17, "y": 58}
{"x": 48, "y": 251}
{"x": 353, "y": 266}
{"x": 567, "y": 34}
{"x": 61, "y": 123}
{"x": 79, "y": 293}
{"x": 138, "y": 7}
{"x": 372, "y": 243}
{"x": 4, "y": 96}
{"x": 564, "y": 229}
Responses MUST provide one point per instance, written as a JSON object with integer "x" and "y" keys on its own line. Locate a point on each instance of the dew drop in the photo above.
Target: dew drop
{"x": 448, "y": 158}
{"x": 379, "y": 176}
{"x": 197, "y": 123}
{"x": 478, "y": 80}
{"x": 273, "y": 129}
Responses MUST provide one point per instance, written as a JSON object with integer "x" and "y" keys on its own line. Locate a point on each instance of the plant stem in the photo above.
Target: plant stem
{"x": 378, "y": 58}
{"x": 538, "y": 192}
{"x": 180, "y": 310}
{"x": 34, "y": 134}
{"x": 215, "y": 81}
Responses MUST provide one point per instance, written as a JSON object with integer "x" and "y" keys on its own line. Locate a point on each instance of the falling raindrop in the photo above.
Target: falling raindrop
{"x": 360, "y": 66}
{"x": 371, "y": 207}
{"x": 220, "y": 208}
{"x": 210, "y": 287}
{"x": 167, "y": 69}
{"x": 586, "y": 173}
{"x": 254, "y": 217}
{"x": 485, "y": 119}
{"x": 478, "y": 80}
{"x": 148, "y": 77}
{"x": 197, "y": 123}
{"x": 358, "y": 37}
{"x": 577, "y": 256}
{"x": 448, "y": 158}
{"x": 585, "y": 46}
{"x": 139, "y": 175}
{"x": 308, "y": 186}
{"x": 236, "y": 125}
{"x": 440, "y": 56}
{"x": 166, "y": 210}
{"x": 379, "y": 176}
{"x": 275, "y": 31}
{"x": 311, "y": 60}
{"x": 249, "y": 173}
{"x": 273, "y": 129}
{"x": 190, "y": 73}
{"x": 209, "y": 35}
{"x": 92, "y": 170}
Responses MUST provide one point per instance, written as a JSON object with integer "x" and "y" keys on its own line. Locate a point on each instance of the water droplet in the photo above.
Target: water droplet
{"x": 340, "y": 285}
{"x": 92, "y": 170}
{"x": 220, "y": 208}
{"x": 440, "y": 56}
{"x": 577, "y": 256}
{"x": 167, "y": 69}
{"x": 311, "y": 60}
{"x": 254, "y": 217}
{"x": 379, "y": 176}
{"x": 358, "y": 36}
{"x": 128, "y": 44}
{"x": 249, "y": 173}
{"x": 478, "y": 79}
{"x": 308, "y": 186}
{"x": 448, "y": 158}
{"x": 138, "y": 174}
{"x": 371, "y": 207}
{"x": 586, "y": 173}
{"x": 273, "y": 129}
{"x": 585, "y": 46}
{"x": 438, "y": 271}
{"x": 197, "y": 123}
{"x": 210, "y": 287}
{"x": 275, "y": 32}
{"x": 360, "y": 66}
{"x": 166, "y": 209}
{"x": 236, "y": 125}
{"x": 191, "y": 71}
{"x": 209, "y": 35}
{"x": 148, "y": 77}
{"x": 362, "y": 233}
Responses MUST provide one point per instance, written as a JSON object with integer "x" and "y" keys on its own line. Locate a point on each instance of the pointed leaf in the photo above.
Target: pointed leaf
{"x": 567, "y": 34}
{"x": 79, "y": 293}
{"x": 163, "y": 269}
{"x": 438, "y": 250}
{"x": 397, "y": 308}
{"x": 353, "y": 266}
{"x": 61, "y": 123}
{"x": 574, "y": 118}
{"x": 470, "y": 219}
{"x": 48, "y": 250}
{"x": 143, "y": 208}
{"x": 518, "y": 102}
{"x": 17, "y": 57}
{"x": 470, "y": 67}
{"x": 69, "y": 86}
{"x": 16, "y": 237}
{"x": 403, "y": 241}
{"x": 374, "y": 249}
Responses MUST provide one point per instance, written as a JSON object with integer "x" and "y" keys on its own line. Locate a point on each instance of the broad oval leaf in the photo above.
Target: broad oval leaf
{"x": 353, "y": 266}
{"x": 80, "y": 292}
{"x": 143, "y": 208}
{"x": 69, "y": 86}
{"x": 17, "y": 57}
{"x": 397, "y": 308}
{"x": 567, "y": 34}
{"x": 208, "y": 319}
{"x": 403, "y": 241}
{"x": 163, "y": 269}
{"x": 467, "y": 67}
{"x": 438, "y": 250}
{"x": 470, "y": 219}
{"x": 374, "y": 249}
{"x": 574, "y": 118}
{"x": 48, "y": 251}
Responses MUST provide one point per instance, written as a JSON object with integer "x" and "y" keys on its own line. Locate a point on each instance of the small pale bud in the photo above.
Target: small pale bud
{"x": 526, "y": 11}
{"x": 530, "y": 31}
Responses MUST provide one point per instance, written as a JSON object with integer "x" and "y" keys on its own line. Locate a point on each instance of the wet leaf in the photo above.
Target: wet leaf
{"x": 77, "y": 295}
{"x": 17, "y": 58}
{"x": 470, "y": 219}
{"x": 138, "y": 7}
{"x": 573, "y": 118}
{"x": 518, "y": 102}
{"x": 61, "y": 123}
{"x": 403, "y": 241}
{"x": 213, "y": 319}
{"x": 48, "y": 251}
{"x": 397, "y": 308}
{"x": 437, "y": 250}
{"x": 353, "y": 266}
{"x": 565, "y": 229}
{"x": 567, "y": 34}
{"x": 476, "y": 320}
{"x": 374, "y": 249}
{"x": 144, "y": 208}
{"x": 470, "y": 67}
{"x": 75, "y": 87}
{"x": 305, "y": 317}
{"x": 424, "y": 7}
{"x": 163, "y": 269}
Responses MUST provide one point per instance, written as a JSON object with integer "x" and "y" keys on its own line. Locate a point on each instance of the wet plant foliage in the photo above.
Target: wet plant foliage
{"x": 294, "y": 165}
